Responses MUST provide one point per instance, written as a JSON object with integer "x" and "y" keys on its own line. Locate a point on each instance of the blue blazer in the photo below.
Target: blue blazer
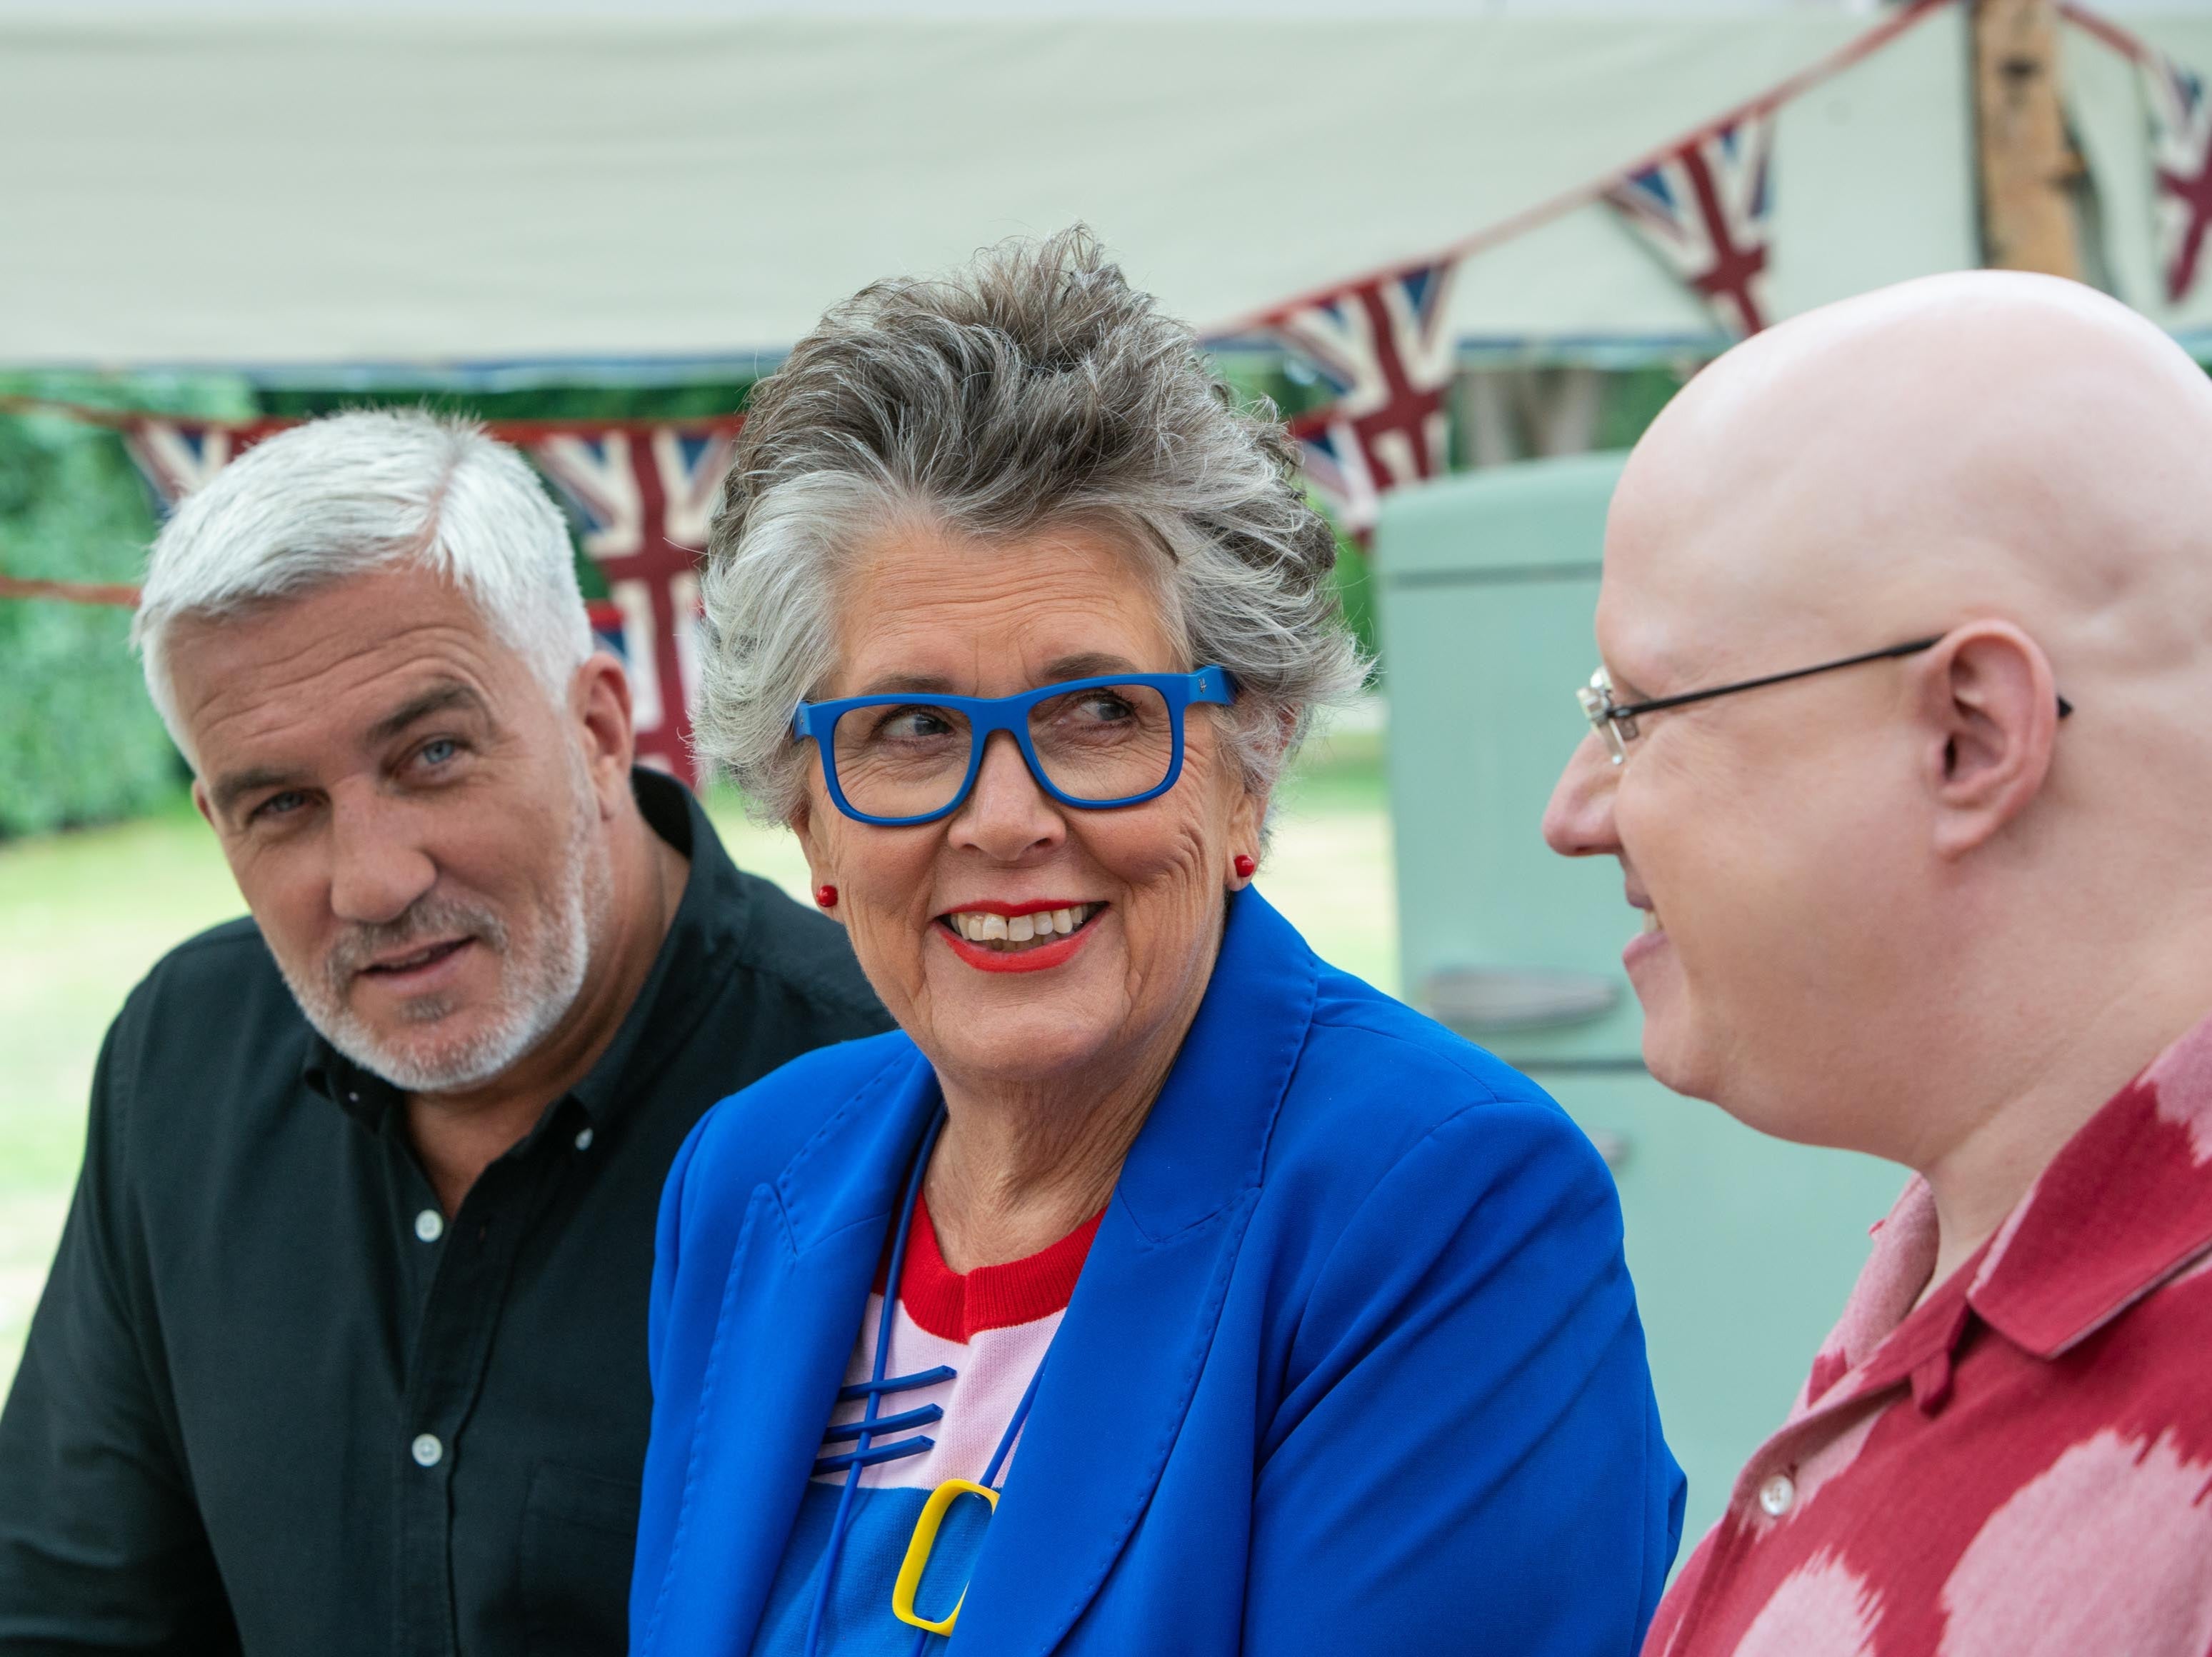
{"x": 1354, "y": 1366}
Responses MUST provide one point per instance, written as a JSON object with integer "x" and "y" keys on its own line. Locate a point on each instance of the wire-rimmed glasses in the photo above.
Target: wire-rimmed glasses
{"x": 1615, "y": 722}
{"x": 1093, "y": 744}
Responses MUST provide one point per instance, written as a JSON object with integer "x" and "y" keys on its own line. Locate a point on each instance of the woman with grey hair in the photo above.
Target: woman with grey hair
{"x": 1157, "y": 1287}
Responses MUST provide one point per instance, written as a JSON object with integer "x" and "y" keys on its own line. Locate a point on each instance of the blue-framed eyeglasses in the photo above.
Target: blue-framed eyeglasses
{"x": 1091, "y": 743}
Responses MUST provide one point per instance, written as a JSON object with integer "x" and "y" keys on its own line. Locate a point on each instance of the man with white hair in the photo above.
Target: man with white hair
{"x": 344, "y": 1350}
{"x": 1902, "y": 746}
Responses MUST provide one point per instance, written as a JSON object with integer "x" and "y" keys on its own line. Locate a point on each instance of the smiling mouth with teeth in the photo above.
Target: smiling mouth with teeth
{"x": 1651, "y": 921}
{"x": 1014, "y": 934}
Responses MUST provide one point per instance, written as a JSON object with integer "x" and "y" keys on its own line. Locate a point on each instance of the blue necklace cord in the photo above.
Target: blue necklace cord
{"x": 864, "y": 1454}
{"x": 997, "y": 1459}
{"x": 869, "y": 1424}
{"x": 900, "y": 1422}
{"x": 1014, "y": 1427}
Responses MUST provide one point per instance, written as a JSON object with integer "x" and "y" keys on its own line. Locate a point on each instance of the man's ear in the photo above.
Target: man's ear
{"x": 600, "y": 699}
{"x": 204, "y": 805}
{"x": 1990, "y": 702}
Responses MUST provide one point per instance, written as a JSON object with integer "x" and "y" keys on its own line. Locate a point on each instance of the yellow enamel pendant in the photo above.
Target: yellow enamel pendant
{"x": 920, "y": 1546}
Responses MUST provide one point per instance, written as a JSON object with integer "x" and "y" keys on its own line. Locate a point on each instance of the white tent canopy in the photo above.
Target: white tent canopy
{"x": 327, "y": 187}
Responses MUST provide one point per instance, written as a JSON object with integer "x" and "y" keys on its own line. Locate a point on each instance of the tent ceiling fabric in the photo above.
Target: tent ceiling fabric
{"x": 342, "y": 191}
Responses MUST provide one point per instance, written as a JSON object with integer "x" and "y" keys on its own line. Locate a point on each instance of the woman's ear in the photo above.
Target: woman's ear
{"x": 1248, "y": 813}
{"x": 803, "y": 822}
{"x": 1248, "y": 818}
{"x": 1989, "y": 701}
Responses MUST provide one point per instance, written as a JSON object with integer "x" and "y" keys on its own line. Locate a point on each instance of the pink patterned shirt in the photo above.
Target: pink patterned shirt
{"x": 2022, "y": 1466}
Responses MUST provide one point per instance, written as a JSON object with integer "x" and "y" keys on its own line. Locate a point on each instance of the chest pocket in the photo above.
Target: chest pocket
{"x": 579, "y": 1538}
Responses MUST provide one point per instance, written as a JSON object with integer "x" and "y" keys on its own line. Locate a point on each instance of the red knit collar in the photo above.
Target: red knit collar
{"x": 958, "y": 1305}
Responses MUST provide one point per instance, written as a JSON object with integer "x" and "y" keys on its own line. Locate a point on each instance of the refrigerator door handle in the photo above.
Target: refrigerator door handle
{"x": 1478, "y": 1001}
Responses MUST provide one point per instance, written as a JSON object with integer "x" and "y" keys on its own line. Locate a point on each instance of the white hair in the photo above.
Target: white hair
{"x": 365, "y": 491}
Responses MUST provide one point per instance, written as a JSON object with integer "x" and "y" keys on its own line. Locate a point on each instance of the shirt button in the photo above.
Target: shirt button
{"x": 584, "y": 1140}
{"x": 430, "y": 1225}
{"x": 427, "y": 1451}
{"x": 1777, "y": 1494}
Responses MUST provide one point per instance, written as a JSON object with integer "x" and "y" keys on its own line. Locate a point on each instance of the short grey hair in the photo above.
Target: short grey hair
{"x": 1034, "y": 387}
{"x": 364, "y": 491}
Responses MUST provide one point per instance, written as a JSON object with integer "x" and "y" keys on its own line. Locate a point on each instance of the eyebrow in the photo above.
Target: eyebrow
{"x": 1089, "y": 666}
{"x": 437, "y": 699}
{"x": 450, "y": 694}
{"x": 1624, "y": 689}
{"x": 238, "y": 783}
{"x": 900, "y": 685}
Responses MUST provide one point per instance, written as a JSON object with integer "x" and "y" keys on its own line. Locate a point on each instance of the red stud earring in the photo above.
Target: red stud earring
{"x": 826, "y": 896}
{"x": 1243, "y": 866}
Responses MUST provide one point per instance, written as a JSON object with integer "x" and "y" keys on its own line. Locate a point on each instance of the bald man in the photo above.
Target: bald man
{"x": 1904, "y": 743}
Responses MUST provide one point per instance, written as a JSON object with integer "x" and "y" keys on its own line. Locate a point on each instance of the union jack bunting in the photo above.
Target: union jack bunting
{"x": 1704, "y": 211}
{"x": 643, "y": 497}
{"x": 2180, "y": 138}
{"x": 1384, "y": 347}
{"x": 1336, "y": 466}
{"x": 606, "y": 619}
{"x": 175, "y": 456}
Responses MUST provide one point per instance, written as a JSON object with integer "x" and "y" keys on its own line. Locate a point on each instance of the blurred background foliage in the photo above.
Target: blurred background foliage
{"x": 79, "y": 742}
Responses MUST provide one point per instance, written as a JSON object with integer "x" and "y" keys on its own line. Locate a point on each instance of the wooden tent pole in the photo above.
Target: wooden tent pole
{"x": 2026, "y": 162}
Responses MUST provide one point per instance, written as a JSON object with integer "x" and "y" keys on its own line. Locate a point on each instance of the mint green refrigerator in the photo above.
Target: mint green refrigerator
{"x": 1743, "y": 1248}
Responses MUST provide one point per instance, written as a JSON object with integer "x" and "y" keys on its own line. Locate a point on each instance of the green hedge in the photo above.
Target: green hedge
{"x": 79, "y": 744}
{"x": 79, "y": 741}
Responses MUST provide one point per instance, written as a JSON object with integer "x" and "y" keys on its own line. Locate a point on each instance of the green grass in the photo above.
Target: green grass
{"x": 84, "y": 916}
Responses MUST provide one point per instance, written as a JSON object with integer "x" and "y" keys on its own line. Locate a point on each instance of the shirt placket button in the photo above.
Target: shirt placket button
{"x": 426, "y": 1450}
{"x": 1778, "y": 1495}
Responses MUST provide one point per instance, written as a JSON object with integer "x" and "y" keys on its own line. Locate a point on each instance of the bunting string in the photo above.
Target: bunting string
{"x": 69, "y": 592}
{"x": 1381, "y": 341}
{"x": 2179, "y": 116}
{"x": 641, "y": 491}
{"x": 1594, "y": 190}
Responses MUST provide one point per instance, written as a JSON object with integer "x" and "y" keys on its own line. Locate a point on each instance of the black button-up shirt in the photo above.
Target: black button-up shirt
{"x": 272, "y": 1401}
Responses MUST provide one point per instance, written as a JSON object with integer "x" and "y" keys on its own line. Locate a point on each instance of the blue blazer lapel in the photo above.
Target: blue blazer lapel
{"x": 797, "y": 1288}
{"x": 1119, "y": 1379}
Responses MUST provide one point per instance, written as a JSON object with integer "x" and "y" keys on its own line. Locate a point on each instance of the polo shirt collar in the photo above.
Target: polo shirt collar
{"x": 702, "y": 943}
{"x": 2125, "y": 1204}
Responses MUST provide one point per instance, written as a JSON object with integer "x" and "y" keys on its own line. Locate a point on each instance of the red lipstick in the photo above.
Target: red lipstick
{"x": 1060, "y": 950}
{"x": 992, "y": 905}
{"x": 1039, "y": 957}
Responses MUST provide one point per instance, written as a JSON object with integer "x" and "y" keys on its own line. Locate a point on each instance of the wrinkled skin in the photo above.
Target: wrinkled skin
{"x": 1904, "y": 909}
{"x": 481, "y": 823}
{"x": 1048, "y": 1074}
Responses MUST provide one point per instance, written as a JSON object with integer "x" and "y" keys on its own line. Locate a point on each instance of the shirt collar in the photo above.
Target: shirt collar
{"x": 702, "y": 940}
{"x": 2126, "y": 1204}
{"x": 1881, "y": 1304}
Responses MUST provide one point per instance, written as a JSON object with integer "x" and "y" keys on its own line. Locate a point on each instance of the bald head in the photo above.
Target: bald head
{"x": 1860, "y": 878}
{"x": 1985, "y": 443}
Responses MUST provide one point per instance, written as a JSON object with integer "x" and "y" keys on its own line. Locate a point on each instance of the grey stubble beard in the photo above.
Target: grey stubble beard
{"x": 537, "y": 991}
